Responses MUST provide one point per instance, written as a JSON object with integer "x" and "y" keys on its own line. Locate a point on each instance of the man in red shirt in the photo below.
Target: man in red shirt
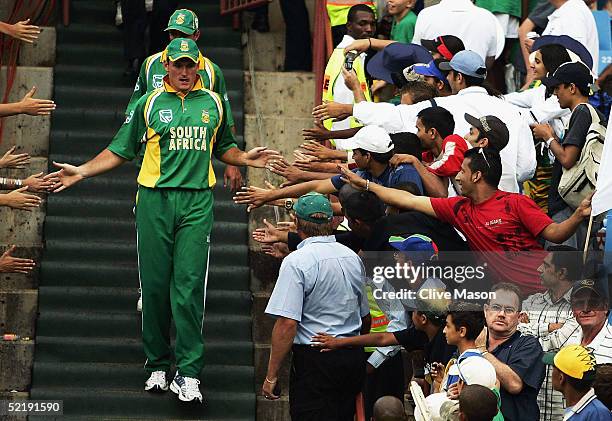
{"x": 492, "y": 221}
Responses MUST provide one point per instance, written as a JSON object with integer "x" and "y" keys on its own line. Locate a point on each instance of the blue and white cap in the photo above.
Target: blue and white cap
{"x": 468, "y": 63}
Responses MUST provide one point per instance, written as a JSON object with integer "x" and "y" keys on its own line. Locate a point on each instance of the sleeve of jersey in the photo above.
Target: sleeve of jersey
{"x": 139, "y": 89}
{"x": 128, "y": 140}
{"x": 443, "y": 207}
{"x": 225, "y": 138}
{"x": 393, "y": 119}
{"x": 452, "y": 157}
{"x": 222, "y": 91}
{"x": 531, "y": 215}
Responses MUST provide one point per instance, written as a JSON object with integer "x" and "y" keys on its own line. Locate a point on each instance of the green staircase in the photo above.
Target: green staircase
{"x": 88, "y": 347}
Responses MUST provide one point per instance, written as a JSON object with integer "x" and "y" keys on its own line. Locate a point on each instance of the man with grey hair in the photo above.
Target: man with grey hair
{"x": 320, "y": 288}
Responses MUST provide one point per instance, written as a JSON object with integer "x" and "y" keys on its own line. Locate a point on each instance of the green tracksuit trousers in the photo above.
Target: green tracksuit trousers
{"x": 173, "y": 227}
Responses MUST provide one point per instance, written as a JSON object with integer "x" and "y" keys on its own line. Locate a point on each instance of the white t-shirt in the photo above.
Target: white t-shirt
{"x": 475, "y": 26}
{"x": 538, "y": 109}
{"x": 518, "y": 157}
{"x": 576, "y": 20}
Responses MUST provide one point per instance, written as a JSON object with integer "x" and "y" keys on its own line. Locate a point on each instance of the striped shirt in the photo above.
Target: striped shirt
{"x": 542, "y": 311}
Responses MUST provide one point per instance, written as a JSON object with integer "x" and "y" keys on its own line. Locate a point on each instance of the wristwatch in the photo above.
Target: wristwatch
{"x": 289, "y": 204}
{"x": 549, "y": 141}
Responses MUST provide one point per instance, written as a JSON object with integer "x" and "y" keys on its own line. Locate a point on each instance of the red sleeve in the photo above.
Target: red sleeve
{"x": 445, "y": 208}
{"x": 531, "y": 216}
{"x": 452, "y": 157}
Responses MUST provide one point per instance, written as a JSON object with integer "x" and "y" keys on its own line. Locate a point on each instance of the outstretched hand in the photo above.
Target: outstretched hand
{"x": 17, "y": 199}
{"x": 270, "y": 234}
{"x": 331, "y": 110}
{"x": 35, "y": 107}
{"x": 23, "y": 32}
{"x": 10, "y": 264}
{"x": 67, "y": 176}
{"x": 258, "y": 157}
{"x": 325, "y": 342}
{"x": 10, "y": 160}
{"x": 252, "y": 196}
{"x": 353, "y": 179}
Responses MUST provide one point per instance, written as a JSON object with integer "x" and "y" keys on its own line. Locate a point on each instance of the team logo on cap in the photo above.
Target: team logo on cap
{"x": 158, "y": 81}
{"x": 184, "y": 46}
{"x": 205, "y": 117}
{"x": 180, "y": 19}
{"x": 165, "y": 116}
{"x": 588, "y": 283}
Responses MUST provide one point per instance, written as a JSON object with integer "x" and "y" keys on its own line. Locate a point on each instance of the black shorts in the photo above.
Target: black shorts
{"x": 324, "y": 385}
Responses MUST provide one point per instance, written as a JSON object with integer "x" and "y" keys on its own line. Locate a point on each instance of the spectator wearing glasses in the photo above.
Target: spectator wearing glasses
{"x": 517, "y": 358}
{"x": 491, "y": 220}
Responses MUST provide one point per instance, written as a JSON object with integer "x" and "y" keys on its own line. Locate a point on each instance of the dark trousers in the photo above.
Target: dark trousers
{"x": 135, "y": 21}
{"x": 324, "y": 385}
{"x": 298, "y": 45}
{"x": 386, "y": 380}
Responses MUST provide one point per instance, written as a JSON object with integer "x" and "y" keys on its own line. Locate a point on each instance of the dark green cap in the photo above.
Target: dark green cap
{"x": 183, "y": 48}
{"x": 312, "y": 203}
{"x": 183, "y": 20}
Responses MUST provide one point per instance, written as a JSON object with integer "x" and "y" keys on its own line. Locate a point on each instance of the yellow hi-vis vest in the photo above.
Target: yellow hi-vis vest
{"x": 332, "y": 71}
{"x": 337, "y": 10}
{"x": 379, "y": 320}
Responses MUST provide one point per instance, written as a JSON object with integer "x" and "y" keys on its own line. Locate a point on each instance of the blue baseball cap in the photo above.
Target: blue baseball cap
{"x": 417, "y": 247}
{"x": 466, "y": 62}
{"x": 429, "y": 69}
{"x": 396, "y": 57}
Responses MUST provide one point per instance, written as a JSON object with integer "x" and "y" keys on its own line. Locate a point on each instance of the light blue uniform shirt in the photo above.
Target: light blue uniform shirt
{"x": 322, "y": 286}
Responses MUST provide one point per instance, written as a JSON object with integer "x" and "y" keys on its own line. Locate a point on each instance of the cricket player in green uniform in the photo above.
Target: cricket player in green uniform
{"x": 181, "y": 126}
{"x": 184, "y": 24}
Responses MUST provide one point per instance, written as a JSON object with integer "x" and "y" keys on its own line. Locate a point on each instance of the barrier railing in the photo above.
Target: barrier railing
{"x": 234, "y": 6}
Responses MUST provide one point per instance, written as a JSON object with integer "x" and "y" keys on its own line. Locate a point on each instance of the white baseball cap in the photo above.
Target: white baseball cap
{"x": 477, "y": 370}
{"x": 371, "y": 139}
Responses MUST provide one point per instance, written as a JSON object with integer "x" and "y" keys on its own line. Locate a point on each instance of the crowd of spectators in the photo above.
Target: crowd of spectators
{"x": 441, "y": 164}
{"x": 21, "y": 194}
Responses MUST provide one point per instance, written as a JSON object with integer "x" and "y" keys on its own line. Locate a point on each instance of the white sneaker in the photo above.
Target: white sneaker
{"x": 187, "y": 388}
{"x": 157, "y": 382}
{"x": 139, "y": 304}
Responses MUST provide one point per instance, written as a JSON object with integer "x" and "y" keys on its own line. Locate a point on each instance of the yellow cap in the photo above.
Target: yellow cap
{"x": 576, "y": 361}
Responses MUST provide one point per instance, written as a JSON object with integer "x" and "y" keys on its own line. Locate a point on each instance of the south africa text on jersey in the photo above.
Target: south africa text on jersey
{"x": 187, "y": 138}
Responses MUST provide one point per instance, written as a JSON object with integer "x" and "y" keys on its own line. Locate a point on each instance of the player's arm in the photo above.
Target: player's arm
{"x": 69, "y": 175}
{"x": 394, "y": 197}
{"x": 124, "y": 147}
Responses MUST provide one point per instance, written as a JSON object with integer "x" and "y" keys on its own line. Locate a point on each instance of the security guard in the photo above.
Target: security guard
{"x": 361, "y": 25}
{"x": 338, "y": 10}
{"x": 181, "y": 126}
{"x": 184, "y": 23}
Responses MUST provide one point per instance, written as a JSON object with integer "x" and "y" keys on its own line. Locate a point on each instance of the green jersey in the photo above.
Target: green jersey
{"x": 403, "y": 31}
{"x": 180, "y": 134}
{"x": 510, "y": 7}
{"x": 152, "y": 74}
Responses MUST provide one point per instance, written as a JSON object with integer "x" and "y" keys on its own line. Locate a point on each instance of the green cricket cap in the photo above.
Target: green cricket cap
{"x": 183, "y": 20}
{"x": 312, "y": 203}
{"x": 183, "y": 48}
